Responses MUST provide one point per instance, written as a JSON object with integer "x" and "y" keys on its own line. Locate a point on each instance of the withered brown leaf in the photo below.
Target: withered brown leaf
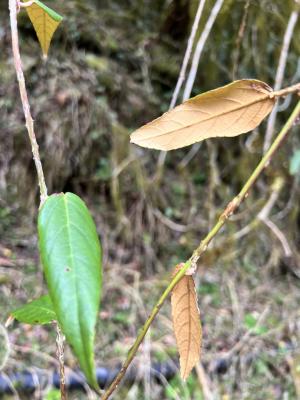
{"x": 223, "y": 112}
{"x": 187, "y": 324}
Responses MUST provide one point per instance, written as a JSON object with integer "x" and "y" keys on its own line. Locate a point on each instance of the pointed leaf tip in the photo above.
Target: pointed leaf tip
{"x": 45, "y": 22}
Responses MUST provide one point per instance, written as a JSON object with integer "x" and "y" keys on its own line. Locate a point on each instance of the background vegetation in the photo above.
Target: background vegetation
{"x": 112, "y": 67}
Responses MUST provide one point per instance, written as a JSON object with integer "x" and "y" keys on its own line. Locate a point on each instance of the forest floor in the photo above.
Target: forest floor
{"x": 249, "y": 313}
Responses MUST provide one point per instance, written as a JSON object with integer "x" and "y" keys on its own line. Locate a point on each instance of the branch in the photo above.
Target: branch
{"x": 188, "y": 54}
{"x": 238, "y": 42}
{"x": 284, "y": 92}
{"x": 60, "y": 358}
{"x": 191, "y": 265}
{"x": 280, "y": 74}
{"x": 199, "y": 48}
{"x": 181, "y": 78}
{"x": 24, "y": 99}
{"x": 194, "y": 69}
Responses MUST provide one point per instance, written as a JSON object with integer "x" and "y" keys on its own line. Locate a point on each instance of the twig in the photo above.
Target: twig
{"x": 263, "y": 216}
{"x": 187, "y": 55}
{"x": 204, "y": 382}
{"x": 24, "y": 99}
{"x": 169, "y": 223}
{"x": 280, "y": 74}
{"x": 238, "y": 42}
{"x": 280, "y": 236}
{"x": 181, "y": 78}
{"x": 13, "y": 8}
{"x": 60, "y": 358}
{"x": 191, "y": 264}
{"x": 284, "y": 92}
{"x": 46, "y": 357}
{"x": 195, "y": 64}
{"x": 5, "y": 344}
{"x": 199, "y": 48}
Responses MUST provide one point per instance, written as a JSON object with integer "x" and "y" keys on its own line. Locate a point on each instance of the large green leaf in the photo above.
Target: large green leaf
{"x": 39, "y": 311}
{"x": 71, "y": 256}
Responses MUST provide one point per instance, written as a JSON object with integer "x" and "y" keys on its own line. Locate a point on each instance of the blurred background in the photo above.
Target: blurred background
{"x": 112, "y": 67}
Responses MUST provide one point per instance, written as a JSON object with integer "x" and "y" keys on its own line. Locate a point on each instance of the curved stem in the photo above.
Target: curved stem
{"x": 280, "y": 74}
{"x": 24, "y": 99}
{"x": 190, "y": 265}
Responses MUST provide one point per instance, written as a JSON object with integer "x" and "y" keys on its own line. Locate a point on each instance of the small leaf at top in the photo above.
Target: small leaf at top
{"x": 39, "y": 311}
{"x": 186, "y": 323}
{"x": 224, "y": 112}
{"x": 71, "y": 256}
{"x": 45, "y": 22}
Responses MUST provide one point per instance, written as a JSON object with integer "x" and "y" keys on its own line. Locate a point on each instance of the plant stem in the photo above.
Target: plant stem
{"x": 60, "y": 358}
{"x": 24, "y": 99}
{"x": 190, "y": 265}
{"x": 238, "y": 42}
{"x": 181, "y": 78}
{"x": 288, "y": 90}
{"x": 187, "y": 55}
{"x": 288, "y": 35}
{"x": 199, "y": 48}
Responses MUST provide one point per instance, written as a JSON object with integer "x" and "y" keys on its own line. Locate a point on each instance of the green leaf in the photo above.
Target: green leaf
{"x": 250, "y": 322}
{"x": 45, "y": 22}
{"x": 295, "y": 163}
{"x": 71, "y": 256}
{"x": 53, "y": 394}
{"x": 39, "y": 311}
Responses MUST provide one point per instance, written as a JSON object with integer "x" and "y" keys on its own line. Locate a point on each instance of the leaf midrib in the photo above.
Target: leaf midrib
{"x": 265, "y": 97}
{"x": 189, "y": 322}
{"x": 74, "y": 280}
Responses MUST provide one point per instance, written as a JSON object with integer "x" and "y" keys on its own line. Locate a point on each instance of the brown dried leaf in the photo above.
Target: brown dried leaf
{"x": 227, "y": 111}
{"x": 187, "y": 325}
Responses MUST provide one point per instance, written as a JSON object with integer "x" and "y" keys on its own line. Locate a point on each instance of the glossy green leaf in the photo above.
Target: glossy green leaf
{"x": 39, "y": 311}
{"x": 71, "y": 256}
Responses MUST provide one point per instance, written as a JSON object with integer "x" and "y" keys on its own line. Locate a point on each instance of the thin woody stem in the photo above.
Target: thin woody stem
{"x": 284, "y": 92}
{"x": 191, "y": 263}
{"x": 280, "y": 72}
{"x": 24, "y": 99}
{"x": 187, "y": 55}
{"x": 60, "y": 358}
